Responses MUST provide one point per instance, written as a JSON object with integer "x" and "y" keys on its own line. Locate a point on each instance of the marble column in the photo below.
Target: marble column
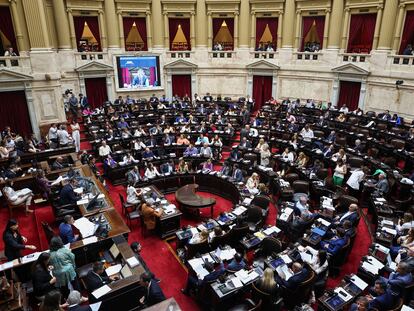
{"x": 398, "y": 28}
{"x": 17, "y": 26}
{"x": 326, "y": 28}
{"x": 62, "y": 25}
{"x": 104, "y": 43}
{"x": 166, "y": 31}
{"x": 387, "y": 25}
{"x": 279, "y": 30}
{"x": 111, "y": 24}
{"x": 288, "y": 18}
{"x": 121, "y": 30}
{"x": 72, "y": 29}
{"x": 192, "y": 30}
{"x": 149, "y": 29}
{"x": 377, "y": 28}
{"x": 298, "y": 30}
{"x": 156, "y": 10}
{"x": 35, "y": 17}
{"x": 253, "y": 30}
{"x": 210, "y": 30}
{"x": 244, "y": 24}
{"x": 345, "y": 29}
{"x": 201, "y": 28}
{"x": 335, "y": 23}
{"x": 236, "y": 30}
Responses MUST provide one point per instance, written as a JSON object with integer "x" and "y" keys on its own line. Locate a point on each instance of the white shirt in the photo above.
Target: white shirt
{"x": 104, "y": 150}
{"x": 307, "y": 134}
{"x": 151, "y": 174}
{"x": 355, "y": 179}
{"x": 52, "y": 133}
{"x": 289, "y": 157}
{"x": 63, "y": 136}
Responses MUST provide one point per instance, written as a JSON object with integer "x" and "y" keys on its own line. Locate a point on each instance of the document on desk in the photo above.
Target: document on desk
{"x": 207, "y": 257}
{"x": 284, "y": 272}
{"x": 324, "y": 222}
{"x": 6, "y": 265}
{"x": 57, "y": 181}
{"x": 406, "y": 308}
{"x": 286, "y": 259}
{"x": 30, "y": 257}
{"x": 358, "y": 282}
{"x": 132, "y": 262}
{"x": 382, "y": 248}
{"x": 375, "y": 262}
{"x": 197, "y": 265}
{"x": 272, "y": 229}
{"x": 98, "y": 293}
{"x": 86, "y": 227}
{"x": 306, "y": 257}
{"x": 113, "y": 269}
{"x": 343, "y": 294}
{"x": 78, "y": 190}
{"x": 390, "y": 231}
{"x": 82, "y": 202}
{"x": 369, "y": 268}
{"x": 90, "y": 240}
{"x": 95, "y": 306}
{"x": 239, "y": 210}
{"x": 237, "y": 283}
{"x": 247, "y": 201}
{"x": 227, "y": 254}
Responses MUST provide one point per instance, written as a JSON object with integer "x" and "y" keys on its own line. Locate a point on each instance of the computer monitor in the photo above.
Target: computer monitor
{"x": 126, "y": 271}
{"x": 114, "y": 251}
{"x": 91, "y": 205}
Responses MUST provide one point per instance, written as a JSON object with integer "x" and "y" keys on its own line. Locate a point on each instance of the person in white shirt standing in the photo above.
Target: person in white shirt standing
{"x": 63, "y": 136}
{"x": 354, "y": 181}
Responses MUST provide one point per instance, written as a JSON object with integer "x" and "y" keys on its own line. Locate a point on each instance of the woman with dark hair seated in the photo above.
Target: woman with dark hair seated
{"x": 52, "y": 302}
{"x": 43, "y": 281}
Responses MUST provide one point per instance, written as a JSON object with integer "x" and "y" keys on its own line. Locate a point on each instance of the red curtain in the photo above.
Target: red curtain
{"x": 152, "y": 76}
{"x": 173, "y": 27}
{"x": 96, "y": 91}
{"x": 306, "y": 27}
{"x": 92, "y": 21}
{"x": 141, "y": 24}
{"x": 14, "y": 104}
{"x": 361, "y": 33}
{"x": 6, "y": 27}
{"x": 181, "y": 85}
{"x": 261, "y": 26}
{"x": 217, "y": 22}
{"x": 349, "y": 94}
{"x": 262, "y": 90}
{"x": 408, "y": 32}
{"x": 126, "y": 76}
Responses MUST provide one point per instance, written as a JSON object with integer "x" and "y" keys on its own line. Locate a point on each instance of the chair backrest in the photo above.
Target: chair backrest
{"x": 370, "y": 114}
{"x": 271, "y": 245}
{"x": 300, "y": 186}
{"x": 398, "y": 305}
{"x": 364, "y": 132}
{"x": 257, "y": 307}
{"x": 291, "y": 177}
{"x": 261, "y": 296}
{"x": 221, "y": 240}
{"x": 193, "y": 249}
{"x": 121, "y": 198}
{"x": 237, "y": 233}
{"x": 254, "y": 213}
{"x": 381, "y": 126}
{"x": 345, "y": 200}
{"x": 355, "y": 161}
{"x": 262, "y": 201}
{"x": 319, "y": 134}
{"x": 48, "y": 231}
{"x": 398, "y": 143}
{"x": 341, "y": 140}
{"x": 322, "y": 173}
{"x": 353, "y": 120}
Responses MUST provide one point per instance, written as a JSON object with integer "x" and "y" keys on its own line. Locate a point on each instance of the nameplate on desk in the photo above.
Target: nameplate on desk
{"x": 343, "y": 294}
{"x": 113, "y": 269}
{"x": 82, "y": 202}
{"x": 6, "y": 265}
{"x": 358, "y": 282}
{"x": 90, "y": 240}
{"x": 132, "y": 262}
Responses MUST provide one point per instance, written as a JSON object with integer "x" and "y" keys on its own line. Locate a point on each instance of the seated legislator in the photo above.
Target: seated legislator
{"x": 237, "y": 263}
{"x": 190, "y": 151}
{"x": 66, "y": 231}
{"x": 97, "y": 278}
{"x": 133, "y": 176}
{"x": 385, "y": 297}
{"x": 268, "y": 285}
{"x": 288, "y": 156}
{"x": 148, "y": 154}
{"x": 59, "y": 164}
{"x": 150, "y": 216}
{"x": 194, "y": 283}
{"x": 67, "y": 194}
{"x": 235, "y": 154}
{"x": 351, "y": 215}
{"x": 151, "y": 171}
{"x": 334, "y": 245}
{"x": 182, "y": 167}
{"x": 301, "y": 206}
{"x": 18, "y": 197}
{"x": 205, "y": 151}
{"x": 300, "y": 274}
{"x": 167, "y": 168}
{"x": 237, "y": 175}
{"x": 133, "y": 194}
{"x": 75, "y": 300}
{"x": 104, "y": 149}
{"x": 128, "y": 159}
{"x": 181, "y": 140}
{"x": 253, "y": 183}
{"x": 208, "y": 166}
{"x": 154, "y": 292}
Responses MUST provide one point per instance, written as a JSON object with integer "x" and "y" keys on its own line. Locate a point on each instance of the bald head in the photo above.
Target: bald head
{"x": 296, "y": 267}
{"x": 353, "y": 207}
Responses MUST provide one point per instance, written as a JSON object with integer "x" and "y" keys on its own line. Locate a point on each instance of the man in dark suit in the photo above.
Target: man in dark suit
{"x": 154, "y": 293}
{"x": 351, "y": 215}
{"x": 237, "y": 263}
{"x": 67, "y": 194}
{"x": 237, "y": 174}
{"x": 300, "y": 274}
{"x": 385, "y": 299}
{"x": 96, "y": 278}
{"x": 334, "y": 245}
{"x": 83, "y": 101}
{"x": 245, "y": 144}
{"x": 193, "y": 282}
{"x": 58, "y": 164}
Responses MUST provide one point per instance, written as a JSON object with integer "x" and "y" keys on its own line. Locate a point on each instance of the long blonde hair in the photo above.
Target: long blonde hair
{"x": 268, "y": 278}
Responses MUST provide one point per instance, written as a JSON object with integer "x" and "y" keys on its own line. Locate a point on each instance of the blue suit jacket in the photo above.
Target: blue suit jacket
{"x": 238, "y": 175}
{"x": 213, "y": 275}
{"x": 335, "y": 245}
{"x": 295, "y": 280}
{"x": 67, "y": 195}
{"x": 351, "y": 217}
{"x": 384, "y": 302}
{"x": 66, "y": 233}
{"x": 236, "y": 266}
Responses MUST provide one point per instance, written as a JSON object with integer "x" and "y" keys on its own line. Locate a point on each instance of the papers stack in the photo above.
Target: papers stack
{"x": 286, "y": 259}
{"x": 101, "y": 291}
{"x": 246, "y": 276}
{"x": 30, "y": 257}
{"x": 359, "y": 283}
{"x": 90, "y": 240}
{"x": 239, "y": 210}
{"x": 113, "y": 270}
{"x": 271, "y": 230}
{"x": 132, "y": 262}
{"x": 343, "y": 294}
{"x": 259, "y": 235}
{"x": 324, "y": 222}
{"x": 197, "y": 266}
{"x": 86, "y": 227}
{"x": 306, "y": 257}
{"x": 247, "y": 201}
{"x": 284, "y": 272}
{"x": 393, "y": 232}
{"x": 227, "y": 254}
{"x": 286, "y": 213}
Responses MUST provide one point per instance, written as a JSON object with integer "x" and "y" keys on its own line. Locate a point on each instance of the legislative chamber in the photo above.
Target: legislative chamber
{"x": 220, "y": 155}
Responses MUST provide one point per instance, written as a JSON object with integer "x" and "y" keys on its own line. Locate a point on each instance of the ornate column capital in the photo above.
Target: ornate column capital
{"x": 100, "y": 12}
{"x": 165, "y": 13}
{"x": 401, "y": 5}
{"x": 236, "y": 13}
{"x": 253, "y": 13}
{"x": 119, "y": 12}
{"x": 327, "y": 11}
{"x": 298, "y": 12}
{"x": 192, "y": 13}
{"x": 148, "y": 13}
{"x": 69, "y": 10}
{"x": 280, "y": 12}
{"x": 380, "y": 7}
{"x": 209, "y": 13}
{"x": 347, "y": 9}
{"x": 13, "y": 1}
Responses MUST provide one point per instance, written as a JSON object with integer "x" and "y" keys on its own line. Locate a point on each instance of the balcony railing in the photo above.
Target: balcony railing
{"x": 19, "y": 63}
{"x": 403, "y": 60}
{"x": 179, "y": 54}
{"x": 311, "y": 56}
{"x": 355, "y": 58}
{"x": 263, "y": 54}
{"x": 221, "y": 54}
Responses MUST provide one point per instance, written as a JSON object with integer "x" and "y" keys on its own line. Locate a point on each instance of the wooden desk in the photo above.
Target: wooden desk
{"x": 188, "y": 199}
{"x": 167, "y": 305}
